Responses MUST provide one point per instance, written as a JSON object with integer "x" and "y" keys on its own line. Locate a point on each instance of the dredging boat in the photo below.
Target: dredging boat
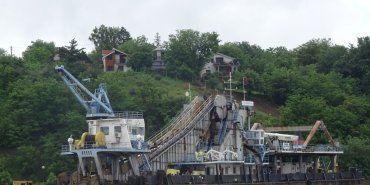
{"x": 206, "y": 143}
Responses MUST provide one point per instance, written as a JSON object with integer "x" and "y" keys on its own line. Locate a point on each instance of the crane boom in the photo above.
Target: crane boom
{"x": 321, "y": 125}
{"x": 98, "y": 106}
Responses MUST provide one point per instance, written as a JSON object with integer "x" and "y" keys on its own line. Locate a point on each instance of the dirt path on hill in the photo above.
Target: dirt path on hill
{"x": 261, "y": 104}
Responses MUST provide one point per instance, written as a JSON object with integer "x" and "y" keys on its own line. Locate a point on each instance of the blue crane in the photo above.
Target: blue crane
{"x": 99, "y": 105}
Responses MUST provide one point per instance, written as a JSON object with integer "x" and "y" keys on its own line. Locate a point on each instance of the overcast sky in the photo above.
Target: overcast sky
{"x": 268, "y": 23}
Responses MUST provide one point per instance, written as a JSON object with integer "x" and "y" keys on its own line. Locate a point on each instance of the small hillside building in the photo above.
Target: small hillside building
{"x": 114, "y": 60}
{"x": 220, "y": 63}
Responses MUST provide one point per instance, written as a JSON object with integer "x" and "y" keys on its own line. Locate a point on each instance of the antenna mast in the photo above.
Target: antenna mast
{"x": 230, "y": 89}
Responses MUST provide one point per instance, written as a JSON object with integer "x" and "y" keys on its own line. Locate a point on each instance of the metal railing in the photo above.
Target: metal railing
{"x": 175, "y": 122}
{"x": 136, "y": 145}
{"x": 129, "y": 115}
{"x": 309, "y": 148}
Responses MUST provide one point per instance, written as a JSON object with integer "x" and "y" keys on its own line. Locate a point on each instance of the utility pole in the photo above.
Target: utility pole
{"x": 247, "y": 105}
{"x": 243, "y": 89}
{"x": 11, "y": 51}
{"x": 188, "y": 93}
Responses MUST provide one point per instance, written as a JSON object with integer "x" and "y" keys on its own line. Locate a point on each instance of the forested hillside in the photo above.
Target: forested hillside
{"x": 317, "y": 80}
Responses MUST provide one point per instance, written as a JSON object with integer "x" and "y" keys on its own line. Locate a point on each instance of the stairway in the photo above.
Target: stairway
{"x": 162, "y": 136}
{"x": 180, "y": 127}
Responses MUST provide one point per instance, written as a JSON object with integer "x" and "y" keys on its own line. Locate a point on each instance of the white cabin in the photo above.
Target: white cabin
{"x": 119, "y": 132}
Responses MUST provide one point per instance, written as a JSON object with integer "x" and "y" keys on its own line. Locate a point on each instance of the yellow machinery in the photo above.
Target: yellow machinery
{"x": 172, "y": 172}
{"x": 99, "y": 140}
{"x": 198, "y": 173}
{"x": 22, "y": 182}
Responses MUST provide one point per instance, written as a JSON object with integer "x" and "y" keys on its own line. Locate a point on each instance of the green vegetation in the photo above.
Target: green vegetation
{"x": 317, "y": 80}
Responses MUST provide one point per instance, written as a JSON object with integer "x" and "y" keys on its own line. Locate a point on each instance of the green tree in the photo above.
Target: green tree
{"x": 356, "y": 154}
{"x": 280, "y": 84}
{"x": 109, "y": 37}
{"x": 75, "y": 59}
{"x": 252, "y": 81}
{"x": 33, "y": 108}
{"x": 332, "y": 87}
{"x": 2, "y": 52}
{"x": 5, "y": 177}
{"x": 301, "y": 110}
{"x": 11, "y": 70}
{"x": 190, "y": 50}
{"x": 157, "y": 40}
{"x": 38, "y": 55}
{"x": 280, "y": 57}
{"x": 330, "y": 57}
{"x": 233, "y": 49}
{"x": 356, "y": 64}
{"x": 51, "y": 180}
{"x": 140, "y": 53}
{"x": 311, "y": 51}
{"x": 27, "y": 163}
{"x": 354, "y": 111}
{"x": 96, "y": 64}
{"x": 73, "y": 54}
{"x": 251, "y": 50}
{"x": 213, "y": 82}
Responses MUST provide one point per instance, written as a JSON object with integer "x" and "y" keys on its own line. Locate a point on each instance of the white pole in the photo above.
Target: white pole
{"x": 231, "y": 98}
{"x": 243, "y": 89}
{"x": 189, "y": 93}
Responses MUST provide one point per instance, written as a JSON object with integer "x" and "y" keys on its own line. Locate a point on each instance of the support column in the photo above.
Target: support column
{"x": 315, "y": 163}
{"x": 300, "y": 163}
{"x": 116, "y": 168}
{"x": 134, "y": 162}
{"x": 81, "y": 165}
{"x": 244, "y": 174}
{"x": 98, "y": 165}
{"x": 275, "y": 164}
{"x": 217, "y": 174}
{"x": 280, "y": 170}
{"x": 332, "y": 163}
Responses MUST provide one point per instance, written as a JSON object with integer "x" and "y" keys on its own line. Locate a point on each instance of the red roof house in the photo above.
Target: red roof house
{"x": 114, "y": 60}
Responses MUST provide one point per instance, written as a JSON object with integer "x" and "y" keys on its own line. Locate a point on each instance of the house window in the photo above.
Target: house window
{"x": 122, "y": 59}
{"x": 120, "y": 68}
{"x": 110, "y": 68}
{"x": 208, "y": 72}
{"x": 219, "y": 60}
{"x": 109, "y": 57}
{"x": 105, "y": 130}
